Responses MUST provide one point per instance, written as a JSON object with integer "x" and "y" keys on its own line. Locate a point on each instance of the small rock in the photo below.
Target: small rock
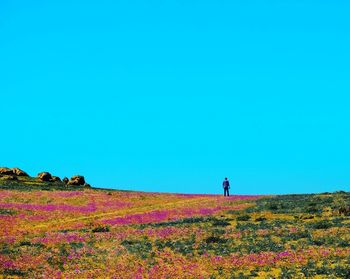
{"x": 44, "y": 176}
{"x": 65, "y": 180}
{"x": 87, "y": 185}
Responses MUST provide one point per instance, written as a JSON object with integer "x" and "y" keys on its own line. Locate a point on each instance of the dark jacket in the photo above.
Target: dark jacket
{"x": 226, "y": 184}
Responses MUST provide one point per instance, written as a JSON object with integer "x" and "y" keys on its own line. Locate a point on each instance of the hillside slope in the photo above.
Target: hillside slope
{"x": 89, "y": 233}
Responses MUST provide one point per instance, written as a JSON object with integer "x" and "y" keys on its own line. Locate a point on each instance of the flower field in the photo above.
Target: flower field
{"x": 95, "y": 233}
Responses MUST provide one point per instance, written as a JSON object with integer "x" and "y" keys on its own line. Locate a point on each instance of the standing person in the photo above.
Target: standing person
{"x": 226, "y": 186}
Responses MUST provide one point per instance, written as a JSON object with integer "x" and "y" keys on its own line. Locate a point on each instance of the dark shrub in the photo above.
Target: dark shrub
{"x": 101, "y": 229}
{"x": 273, "y": 206}
{"x": 4, "y": 211}
{"x": 215, "y": 239}
{"x": 259, "y": 219}
{"x": 220, "y": 223}
{"x": 324, "y": 224}
{"x": 243, "y": 218}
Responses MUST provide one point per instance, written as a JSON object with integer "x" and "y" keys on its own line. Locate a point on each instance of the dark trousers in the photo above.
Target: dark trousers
{"x": 226, "y": 192}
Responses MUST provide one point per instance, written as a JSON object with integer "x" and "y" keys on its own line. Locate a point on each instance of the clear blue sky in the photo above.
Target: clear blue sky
{"x": 175, "y": 95}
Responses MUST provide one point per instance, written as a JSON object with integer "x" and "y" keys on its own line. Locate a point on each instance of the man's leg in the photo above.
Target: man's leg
{"x": 228, "y": 193}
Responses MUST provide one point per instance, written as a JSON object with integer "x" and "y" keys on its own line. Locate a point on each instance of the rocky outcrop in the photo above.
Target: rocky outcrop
{"x": 44, "y": 176}
{"x": 20, "y": 175}
{"x": 19, "y": 172}
{"x": 76, "y": 180}
{"x": 6, "y": 171}
{"x": 13, "y": 171}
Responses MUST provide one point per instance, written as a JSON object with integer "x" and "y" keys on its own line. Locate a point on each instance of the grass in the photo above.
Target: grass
{"x": 24, "y": 183}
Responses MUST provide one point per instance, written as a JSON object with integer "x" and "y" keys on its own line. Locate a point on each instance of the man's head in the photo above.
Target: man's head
{"x": 225, "y": 178}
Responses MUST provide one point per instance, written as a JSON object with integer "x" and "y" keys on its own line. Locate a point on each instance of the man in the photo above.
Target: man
{"x": 226, "y": 185}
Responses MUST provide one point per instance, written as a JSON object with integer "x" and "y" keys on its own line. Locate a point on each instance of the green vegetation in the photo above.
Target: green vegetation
{"x": 23, "y": 183}
{"x": 307, "y": 203}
